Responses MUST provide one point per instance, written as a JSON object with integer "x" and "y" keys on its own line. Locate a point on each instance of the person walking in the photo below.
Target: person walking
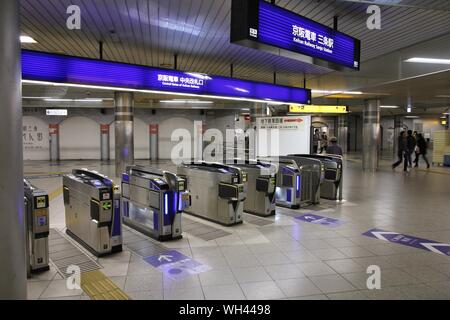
{"x": 410, "y": 147}
{"x": 334, "y": 148}
{"x": 401, "y": 152}
{"x": 324, "y": 142}
{"x": 316, "y": 140}
{"x": 422, "y": 146}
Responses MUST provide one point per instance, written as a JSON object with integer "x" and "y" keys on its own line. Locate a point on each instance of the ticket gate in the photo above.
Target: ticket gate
{"x": 287, "y": 191}
{"x": 217, "y": 191}
{"x": 152, "y": 202}
{"x": 36, "y": 206}
{"x": 333, "y": 177}
{"x": 261, "y": 185}
{"x": 312, "y": 176}
{"x": 92, "y": 204}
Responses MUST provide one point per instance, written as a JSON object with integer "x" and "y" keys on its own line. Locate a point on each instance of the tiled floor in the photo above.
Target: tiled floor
{"x": 287, "y": 258}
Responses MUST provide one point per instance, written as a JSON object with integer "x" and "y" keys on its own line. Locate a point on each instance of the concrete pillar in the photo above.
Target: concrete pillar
{"x": 124, "y": 128}
{"x": 342, "y": 132}
{"x": 13, "y": 271}
{"x": 54, "y": 142}
{"x": 371, "y": 135}
{"x": 154, "y": 138}
{"x": 104, "y": 142}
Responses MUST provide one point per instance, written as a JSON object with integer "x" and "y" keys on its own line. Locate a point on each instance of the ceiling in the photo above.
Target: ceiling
{"x": 150, "y": 32}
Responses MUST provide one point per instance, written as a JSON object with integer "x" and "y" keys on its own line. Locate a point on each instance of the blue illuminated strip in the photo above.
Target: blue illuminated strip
{"x": 180, "y": 202}
{"x": 286, "y": 30}
{"x": 298, "y": 183}
{"x": 166, "y": 204}
{"x": 46, "y": 67}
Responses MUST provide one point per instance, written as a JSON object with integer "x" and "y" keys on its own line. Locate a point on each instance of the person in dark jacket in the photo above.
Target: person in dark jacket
{"x": 316, "y": 140}
{"x": 334, "y": 148}
{"x": 324, "y": 142}
{"x": 423, "y": 149}
{"x": 401, "y": 152}
{"x": 410, "y": 146}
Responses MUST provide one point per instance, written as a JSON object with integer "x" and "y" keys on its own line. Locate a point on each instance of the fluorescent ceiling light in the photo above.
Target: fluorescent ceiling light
{"x": 429, "y": 60}
{"x": 443, "y": 96}
{"x": 199, "y": 76}
{"x": 27, "y": 39}
{"x": 412, "y": 117}
{"x": 108, "y": 88}
{"x": 73, "y": 100}
{"x": 389, "y": 107}
{"x": 187, "y": 101}
{"x": 36, "y": 98}
{"x": 337, "y": 92}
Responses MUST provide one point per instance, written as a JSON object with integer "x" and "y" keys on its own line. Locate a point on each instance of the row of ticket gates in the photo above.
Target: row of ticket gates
{"x": 152, "y": 201}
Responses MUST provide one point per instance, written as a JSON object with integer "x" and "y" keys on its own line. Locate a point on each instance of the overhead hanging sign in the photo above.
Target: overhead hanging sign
{"x": 314, "y": 109}
{"x": 47, "y": 67}
{"x": 56, "y": 112}
{"x": 261, "y": 25}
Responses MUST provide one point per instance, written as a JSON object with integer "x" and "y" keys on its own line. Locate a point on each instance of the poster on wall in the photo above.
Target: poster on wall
{"x": 280, "y": 136}
{"x": 35, "y": 139}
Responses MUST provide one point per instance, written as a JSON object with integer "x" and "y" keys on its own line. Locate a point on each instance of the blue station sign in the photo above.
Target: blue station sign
{"x": 55, "y": 68}
{"x": 261, "y": 25}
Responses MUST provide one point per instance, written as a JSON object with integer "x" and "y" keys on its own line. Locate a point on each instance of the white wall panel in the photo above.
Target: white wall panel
{"x": 35, "y": 139}
{"x": 79, "y": 139}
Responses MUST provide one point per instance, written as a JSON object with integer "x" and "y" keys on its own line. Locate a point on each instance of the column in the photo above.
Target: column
{"x": 342, "y": 132}
{"x": 54, "y": 141}
{"x": 104, "y": 142}
{"x": 154, "y": 132}
{"x": 13, "y": 273}
{"x": 371, "y": 135}
{"x": 124, "y": 128}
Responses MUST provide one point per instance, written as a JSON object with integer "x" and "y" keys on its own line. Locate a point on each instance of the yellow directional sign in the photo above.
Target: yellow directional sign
{"x": 317, "y": 109}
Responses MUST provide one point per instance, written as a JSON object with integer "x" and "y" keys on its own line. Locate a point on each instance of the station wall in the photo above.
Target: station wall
{"x": 79, "y": 138}
{"x": 79, "y": 133}
{"x": 35, "y": 133}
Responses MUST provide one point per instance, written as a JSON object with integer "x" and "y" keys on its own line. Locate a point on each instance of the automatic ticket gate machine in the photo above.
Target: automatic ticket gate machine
{"x": 152, "y": 202}
{"x": 287, "y": 190}
{"x": 217, "y": 191}
{"x": 333, "y": 176}
{"x": 311, "y": 177}
{"x": 37, "y": 228}
{"x": 92, "y": 204}
{"x": 261, "y": 185}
